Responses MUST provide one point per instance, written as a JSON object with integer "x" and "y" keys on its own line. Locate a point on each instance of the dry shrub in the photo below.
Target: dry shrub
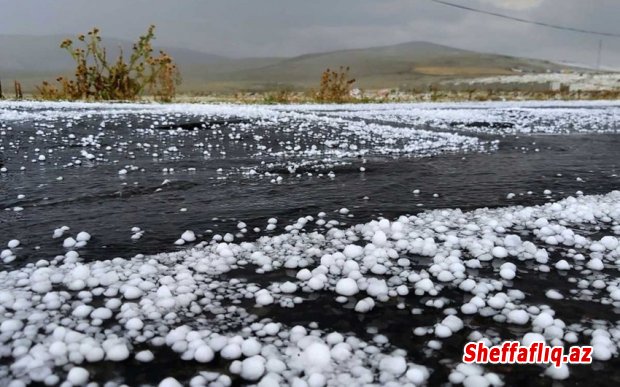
{"x": 282, "y": 96}
{"x": 96, "y": 78}
{"x": 335, "y": 86}
{"x": 18, "y": 90}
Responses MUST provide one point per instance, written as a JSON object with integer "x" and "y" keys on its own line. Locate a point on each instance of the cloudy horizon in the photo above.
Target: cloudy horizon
{"x": 284, "y": 28}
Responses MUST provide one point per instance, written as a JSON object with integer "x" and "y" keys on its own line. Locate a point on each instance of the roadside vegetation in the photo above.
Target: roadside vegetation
{"x": 335, "y": 86}
{"x": 98, "y": 78}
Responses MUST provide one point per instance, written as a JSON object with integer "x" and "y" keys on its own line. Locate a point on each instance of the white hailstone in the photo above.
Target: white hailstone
{"x": 496, "y": 302}
{"x": 10, "y": 326}
{"x": 442, "y": 331}
{"x": 82, "y": 311}
{"x": 547, "y": 192}
{"x": 417, "y": 375}
{"x": 253, "y": 368}
{"x": 531, "y": 338}
{"x": 610, "y": 242}
{"x": 68, "y": 243}
{"x": 83, "y": 236}
{"x": 304, "y": 275}
{"x": 395, "y": 365}
{"x": 510, "y": 195}
{"x": 402, "y": 290}
{"x": 379, "y": 239}
{"x": 288, "y": 287}
{"x": 204, "y": 354}
{"x": 595, "y": 264}
{"x": 597, "y": 247}
{"x": 231, "y": 351}
{"x": 558, "y": 373}
{"x": 250, "y": 347}
{"x": 543, "y": 320}
{"x": 122, "y": 172}
{"x": 134, "y": 324}
{"x": 101, "y": 314}
{"x": 316, "y": 283}
{"x": 603, "y": 346}
{"x": 571, "y": 337}
{"x": 541, "y": 256}
{"x": 377, "y": 288}
{"x": 469, "y": 308}
{"x": 425, "y": 284}
{"x": 117, "y": 352}
{"x": 453, "y": 322}
{"x": 341, "y": 352}
{"x": 562, "y": 265}
{"x": 445, "y": 276}
{"x": 365, "y": 305}
{"x": 78, "y": 376}
{"x": 145, "y": 356}
{"x": 13, "y": 243}
{"x": 518, "y": 316}
{"x": 316, "y": 380}
{"x": 353, "y": 251}
{"x": 263, "y": 297}
{"x": 169, "y": 382}
{"x": 41, "y": 158}
{"x": 499, "y": 252}
{"x": 132, "y": 292}
{"x": 58, "y": 348}
{"x": 554, "y": 294}
{"x": 508, "y": 271}
{"x": 467, "y": 285}
{"x": 316, "y": 357}
{"x": 188, "y": 236}
{"x": 274, "y": 365}
{"x": 346, "y": 287}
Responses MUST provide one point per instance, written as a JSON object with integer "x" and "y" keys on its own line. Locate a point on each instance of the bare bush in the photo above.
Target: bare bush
{"x": 97, "y": 78}
{"x": 335, "y": 86}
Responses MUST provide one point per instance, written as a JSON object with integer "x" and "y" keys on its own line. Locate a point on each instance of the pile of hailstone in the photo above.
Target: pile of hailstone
{"x": 59, "y": 315}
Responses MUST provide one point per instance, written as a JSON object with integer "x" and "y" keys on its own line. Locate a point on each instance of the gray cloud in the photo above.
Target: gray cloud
{"x": 291, "y": 27}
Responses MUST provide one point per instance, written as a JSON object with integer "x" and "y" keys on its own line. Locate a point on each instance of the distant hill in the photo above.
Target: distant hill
{"x": 408, "y": 65}
{"x": 404, "y": 65}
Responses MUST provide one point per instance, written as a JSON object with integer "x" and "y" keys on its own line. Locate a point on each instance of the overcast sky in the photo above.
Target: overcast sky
{"x": 291, "y": 27}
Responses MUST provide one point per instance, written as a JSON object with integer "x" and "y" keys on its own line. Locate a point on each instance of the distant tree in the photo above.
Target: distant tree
{"x": 96, "y": 78}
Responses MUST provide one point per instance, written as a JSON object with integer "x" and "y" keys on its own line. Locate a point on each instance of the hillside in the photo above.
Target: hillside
{"x": 408, "y": 65}
{"x": 404, "y": 65}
